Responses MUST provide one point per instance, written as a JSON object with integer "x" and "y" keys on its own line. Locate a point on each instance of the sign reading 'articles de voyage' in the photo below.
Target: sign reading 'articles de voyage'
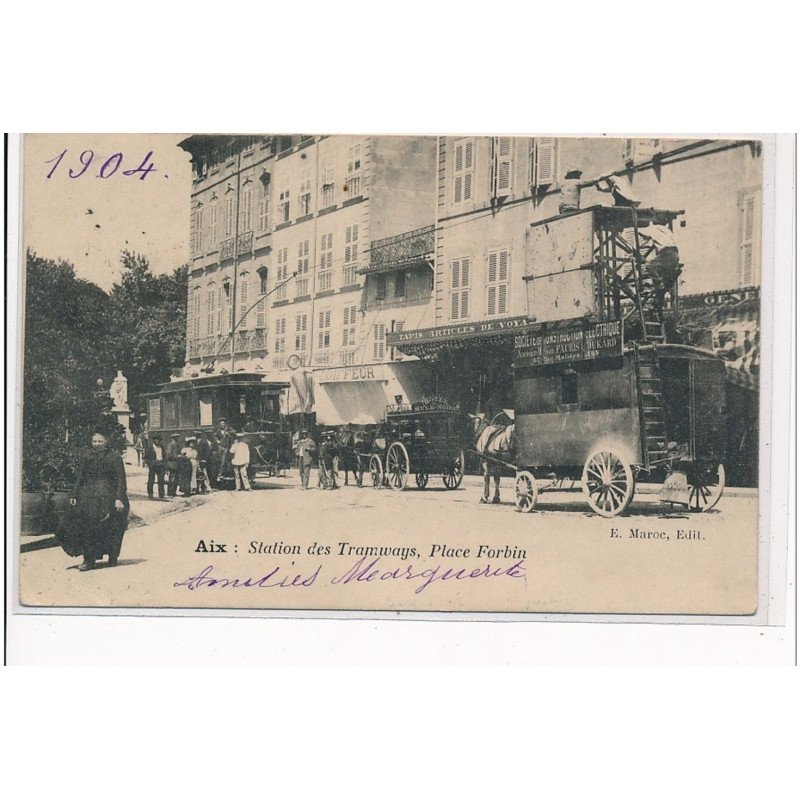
{"x": 598, "y": 340}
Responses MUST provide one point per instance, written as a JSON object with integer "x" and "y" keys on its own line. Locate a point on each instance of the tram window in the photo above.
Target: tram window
{"x": 242, "y": 404}
{"x": 154, "y": 412}
{"x": 171, "y": 411}
{"x": 206, "y": 415}
{"x": 569, "y": 387}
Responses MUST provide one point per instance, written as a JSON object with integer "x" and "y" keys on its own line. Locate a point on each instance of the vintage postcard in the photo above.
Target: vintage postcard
{"x": 461, "y": 373}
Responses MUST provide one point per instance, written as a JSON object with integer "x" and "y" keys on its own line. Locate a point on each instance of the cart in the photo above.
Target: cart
{"x": 606, "y": 399}
{"x": 425, "y": 438}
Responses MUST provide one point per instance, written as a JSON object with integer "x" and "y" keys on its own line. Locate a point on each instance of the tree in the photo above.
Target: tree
{"x": 149, "y": 324}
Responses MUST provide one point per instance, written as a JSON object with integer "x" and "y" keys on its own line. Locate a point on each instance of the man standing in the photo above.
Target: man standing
{"x": 329, "y": 457}
{"x": 224, "y": 439}
{"x": 204, "y": 460}
{"x": 240, "y": 461}
{"x": 173, "y": 454}
{"x": 306, "y": 447}
{"x": 157, "y": 467}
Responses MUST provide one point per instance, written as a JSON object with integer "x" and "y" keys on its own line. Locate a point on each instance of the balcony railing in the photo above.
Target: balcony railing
{"x": 245, "y": 243}
{"x": 245, "y": 341}
{"x": 401, "y": 250}
{"x": 226, "y": 249}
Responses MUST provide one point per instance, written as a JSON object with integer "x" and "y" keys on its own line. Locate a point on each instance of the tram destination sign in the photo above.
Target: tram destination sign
{"x": 595, "y": 340}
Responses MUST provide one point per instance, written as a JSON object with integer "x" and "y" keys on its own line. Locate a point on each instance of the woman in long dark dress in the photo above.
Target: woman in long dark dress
{"x": 101, "y": 504}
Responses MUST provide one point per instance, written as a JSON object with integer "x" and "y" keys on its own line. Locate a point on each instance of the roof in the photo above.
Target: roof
{"x": 219, "y": 380}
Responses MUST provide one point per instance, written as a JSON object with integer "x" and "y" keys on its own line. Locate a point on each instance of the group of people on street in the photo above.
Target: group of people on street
{"x": 199, "y": 465}
{"x": 330, "y": 453}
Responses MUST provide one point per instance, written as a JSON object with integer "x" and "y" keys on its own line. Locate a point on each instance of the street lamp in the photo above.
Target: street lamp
{"x": 210, "y": 368}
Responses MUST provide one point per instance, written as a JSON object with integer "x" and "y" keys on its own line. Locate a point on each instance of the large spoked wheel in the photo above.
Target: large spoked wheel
{"x": 526, "y": 492}
{"x": 422, "y": 479}
{"x": 376, "y": 471}
{"x": 607, "y": 483}
{"x": 452, "y": 477}
{"x": 705, "y": 489}
{"x": 397, "y": 466}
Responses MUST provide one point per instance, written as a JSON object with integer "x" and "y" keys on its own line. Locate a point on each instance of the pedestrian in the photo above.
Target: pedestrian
{"x": 173, "y": 455}
{"x": 306, "y": 447}
{"x": 140, "y": 448}
{"x": 100, "y": 499}
{"x": 223, "y": 436}
{"x": 328, "y": 457}
{"x": 240, "y": 461}
{"x": 189, "y": 471}
{"x": 204, "y": 453}
{"x": 156, "y": 461}
{"x": 570, "y": 189}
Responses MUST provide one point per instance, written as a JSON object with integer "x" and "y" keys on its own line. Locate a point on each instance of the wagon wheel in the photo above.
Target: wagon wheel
{"x": 376, "y": 471}
{"x": 526, "y": 491}
{"x": 607, "y": 483}
{"x": 453, "y": 477}
{"x": 705, "y": 488}
{"x": 422, "y": 479}
{"x": 397, "y": 466}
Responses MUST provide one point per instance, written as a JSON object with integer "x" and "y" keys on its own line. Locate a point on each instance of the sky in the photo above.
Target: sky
{"x": 88, "y": 220}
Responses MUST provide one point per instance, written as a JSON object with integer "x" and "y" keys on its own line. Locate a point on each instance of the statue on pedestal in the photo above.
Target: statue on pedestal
{"x": 119, "y": 392}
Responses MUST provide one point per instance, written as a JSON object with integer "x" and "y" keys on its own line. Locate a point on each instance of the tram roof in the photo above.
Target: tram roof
{"x": 237, "y": 379}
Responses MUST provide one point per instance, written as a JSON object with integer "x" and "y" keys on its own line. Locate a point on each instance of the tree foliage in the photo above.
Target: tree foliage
{"x": 75, "y": 335}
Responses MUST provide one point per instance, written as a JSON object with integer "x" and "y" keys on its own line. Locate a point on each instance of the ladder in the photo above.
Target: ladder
{"x": 650, "y": 397}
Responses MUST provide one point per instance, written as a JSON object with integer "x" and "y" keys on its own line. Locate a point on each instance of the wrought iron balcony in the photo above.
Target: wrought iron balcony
{"x": 414, "y": 248}
{"x": 226, "y": 249}
{"x": 245, "y": 243}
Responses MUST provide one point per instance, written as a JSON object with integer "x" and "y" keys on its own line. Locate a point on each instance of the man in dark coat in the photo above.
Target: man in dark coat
{"x": 100, "y": 499}
{"x": 204, "y": 454}
{"x": 156, "y": 460}
{"x": 329, "y": 456}
{"x": 173, "y": 456}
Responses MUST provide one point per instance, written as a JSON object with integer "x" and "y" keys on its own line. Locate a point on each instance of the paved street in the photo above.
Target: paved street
{"x": 573, "y": 560}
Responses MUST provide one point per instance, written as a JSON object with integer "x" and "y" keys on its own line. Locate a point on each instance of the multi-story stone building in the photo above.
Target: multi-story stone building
{"x": 490, "y": 191}
{"x": 313, "y": 249}
{"x": 385, "y": 266}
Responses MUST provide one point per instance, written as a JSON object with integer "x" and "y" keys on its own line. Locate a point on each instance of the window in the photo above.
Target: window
{"x": 750, "y": 244}
{"x": 639, "y": 151}
{"x": 213, "y": 229}
{"x": 282, "y": 273}
{"x": 380, "y": 287}
{"x": 325, "y": 276}
{"x": 327, "y": 187}
{"x": 324, "y": 330}
{"x": 283, "y": 207}
{"x": 244, "y": 286}
{"x": 463, "y": 170}
{"x": 263, "y": 208}
{"x": 502, "y": 165}
{"x": 195, "y": 312}
{"x": 400, "y": 284}
{"x": 350, "y": 256}
{"x": 199, "y": 222}
{"x": 353, "y": 185}
{"x": 378, "y": 341}
{"x": 224, "y": 308}
{"x": 302, "y": 268}
{"x": 305, "y": 194}
{"x": 497, "y": 282}
{"x": 280, "y": 335}
{"x": 211, "y": 309}
{"x": 300, "y": 327}
{"x": 543, "y": 161}
{"x": 261, "y": 308}
{"x": 349, "y": 326}
{"x": 347, "y": 358}
{"x": 246, "y": 210}
{"x": 230, "y": 219}
{"x": 397, "y": 326}
{"x": 569, "y": 387}
{"x": 206, "y": 412}
{"x": 459, "y": 288}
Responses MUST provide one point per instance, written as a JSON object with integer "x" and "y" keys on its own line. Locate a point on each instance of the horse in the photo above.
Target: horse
{"x": 495, "y": 438}
{"x": 350, "y": 459}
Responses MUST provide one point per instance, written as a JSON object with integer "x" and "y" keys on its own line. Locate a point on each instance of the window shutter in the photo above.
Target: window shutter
{"x": 243, "y": 287}
{"x": 468, "y": 186}
{"x": 502, "y": 265}
{"x": 468, "y": 155}
{"x": 457, "y": 188}
{"x": 491, "y": 298}
{"x": 502, "y": 298}
{"x": 464, "y": 304}
{"x": 545, "y": 160}
{"x": 456, "y": 268}
{"x": 465, "y": 272}
{"x": 492, "y": 272}
{"x": 454, "y": 306}
{"x": 459, "y": 165}
{"x": 747, "y": 276}
{"x": 503, "y": 165}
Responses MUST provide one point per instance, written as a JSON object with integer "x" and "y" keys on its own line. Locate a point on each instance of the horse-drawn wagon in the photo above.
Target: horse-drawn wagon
{"x": 424, "y": 438}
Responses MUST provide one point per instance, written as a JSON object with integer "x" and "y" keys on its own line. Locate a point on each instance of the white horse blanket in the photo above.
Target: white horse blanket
{"x": 495, "y": 440}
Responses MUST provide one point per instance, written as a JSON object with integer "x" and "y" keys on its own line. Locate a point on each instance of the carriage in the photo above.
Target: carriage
{"x": 424, "y": 438}
{"x": 613, "y": 397}
{"x": 247, "y": 401}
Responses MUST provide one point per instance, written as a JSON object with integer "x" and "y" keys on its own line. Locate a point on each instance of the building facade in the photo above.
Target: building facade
{"x": 372, "y": 267}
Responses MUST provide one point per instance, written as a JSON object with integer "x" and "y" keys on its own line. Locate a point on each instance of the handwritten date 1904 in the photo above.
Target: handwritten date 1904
{"x": 108, "y": 168}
